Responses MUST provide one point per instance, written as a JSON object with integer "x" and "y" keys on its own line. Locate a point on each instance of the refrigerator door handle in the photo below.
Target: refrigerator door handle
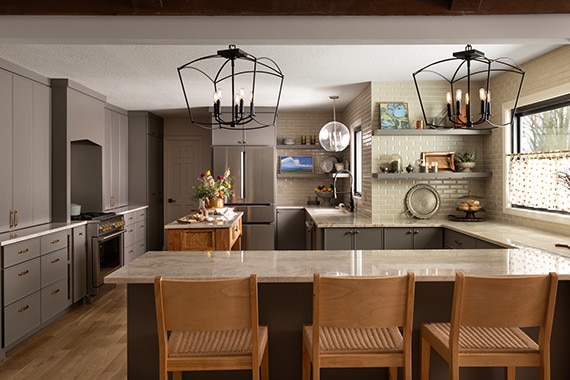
{"x": 242, "y": 174}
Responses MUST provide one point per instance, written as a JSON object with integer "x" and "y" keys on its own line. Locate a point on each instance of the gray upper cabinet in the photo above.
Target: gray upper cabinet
{"x": 115, "y": 158}
{"x": 25, "y": 152}
{"x": 413, "y": 238}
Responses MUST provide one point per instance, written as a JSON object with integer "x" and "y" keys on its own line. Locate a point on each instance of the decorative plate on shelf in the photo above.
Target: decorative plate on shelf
{"x": 422, "y": 201}
{"x": 327, "y": 165}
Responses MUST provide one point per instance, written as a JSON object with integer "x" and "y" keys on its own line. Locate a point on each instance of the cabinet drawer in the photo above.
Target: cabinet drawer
{"x": 457, "y": 240}
{"x": 21, "y": 317}
{"x": 55, "y": 298}
{"x": 140, "y": 215}
{"x": 53, "y": 242}
{"x": 140, "y": 231}
{"x": 20, "y": 252}
{"x": 21, "y": 280}
{"x": 130, "y": 234}
{"x": 54, "y": 266}
{"x": 130, "y": 218}
{"x": 129, "y": 254}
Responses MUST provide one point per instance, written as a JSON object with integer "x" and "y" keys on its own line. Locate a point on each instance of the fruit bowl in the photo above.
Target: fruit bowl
{"x": 325, "y": 196}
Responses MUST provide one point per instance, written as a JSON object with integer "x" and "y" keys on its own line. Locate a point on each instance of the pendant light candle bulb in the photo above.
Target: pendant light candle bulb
{"x": 482, "y": 95}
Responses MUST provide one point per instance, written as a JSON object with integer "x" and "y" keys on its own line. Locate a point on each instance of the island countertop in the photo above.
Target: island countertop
{"x": 299, "y": 266}
{"x": 219, "y": 221}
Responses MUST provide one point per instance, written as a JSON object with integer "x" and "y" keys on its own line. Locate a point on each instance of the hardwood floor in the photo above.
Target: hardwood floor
{"x": 89, "y": 342}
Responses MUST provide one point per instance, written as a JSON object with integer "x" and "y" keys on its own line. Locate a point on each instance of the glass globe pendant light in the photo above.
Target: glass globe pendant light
{"x": 334, "y": 135}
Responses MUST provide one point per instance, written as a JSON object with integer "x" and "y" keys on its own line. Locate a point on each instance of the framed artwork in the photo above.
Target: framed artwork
{"x": 296, "y": 164}
{"x": 394, "y": 115}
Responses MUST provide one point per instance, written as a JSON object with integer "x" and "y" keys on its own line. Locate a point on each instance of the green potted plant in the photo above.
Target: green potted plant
{"x": 466, "y": 160}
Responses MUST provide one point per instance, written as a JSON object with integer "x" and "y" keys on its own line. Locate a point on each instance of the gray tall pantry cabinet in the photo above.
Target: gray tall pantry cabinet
{"x": 146, "y": 171}
{"x": 24, "y": 149}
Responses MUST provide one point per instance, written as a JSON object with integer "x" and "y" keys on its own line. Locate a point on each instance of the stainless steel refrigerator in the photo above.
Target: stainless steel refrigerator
{"x": 253, "y": 168}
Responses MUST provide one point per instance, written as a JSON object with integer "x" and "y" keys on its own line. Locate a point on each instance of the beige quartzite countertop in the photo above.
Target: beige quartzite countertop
{"x": 533, "y": 252}
{"x": 48, "y": 228}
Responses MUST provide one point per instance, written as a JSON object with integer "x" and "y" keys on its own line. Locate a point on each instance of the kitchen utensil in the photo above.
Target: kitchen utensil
{"x": 562, "y": 245}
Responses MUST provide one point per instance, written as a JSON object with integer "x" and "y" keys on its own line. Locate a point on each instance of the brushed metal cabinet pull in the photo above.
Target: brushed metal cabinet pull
{"x": 460, "y": 242}
{"x": 16, "y": 219}
{"x": 22, "y": 251}
{"x": 356, "y": 232}
{"x": 54, "y": 241}
{"x": 55, "y": 291}
{"x": 409, "y": 232}
{"x": 21, "y": 310}
{"x": 24, "y": 272}
{"x": 416, "y": 232}
{"x": 54, "y": 261}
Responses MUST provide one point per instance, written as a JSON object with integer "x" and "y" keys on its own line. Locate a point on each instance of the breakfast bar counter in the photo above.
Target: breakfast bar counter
{"x": 285, "y": 298}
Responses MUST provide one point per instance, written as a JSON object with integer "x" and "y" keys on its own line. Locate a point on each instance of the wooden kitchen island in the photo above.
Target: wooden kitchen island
{"x": 285, "y": 299}
{"x": 220, "y": 234}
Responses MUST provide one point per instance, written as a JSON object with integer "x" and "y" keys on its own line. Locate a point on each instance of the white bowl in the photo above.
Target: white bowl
{"x": 289, "y": 141}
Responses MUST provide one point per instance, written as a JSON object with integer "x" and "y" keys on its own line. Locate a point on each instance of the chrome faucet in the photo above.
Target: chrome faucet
{"x": 335, "y": 192}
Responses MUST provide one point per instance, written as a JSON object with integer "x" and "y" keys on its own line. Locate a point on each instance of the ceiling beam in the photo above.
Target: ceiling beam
{"x": 283, "y": 8}
{"x": 466, "y": 6}
{"x": 152, "y": 4}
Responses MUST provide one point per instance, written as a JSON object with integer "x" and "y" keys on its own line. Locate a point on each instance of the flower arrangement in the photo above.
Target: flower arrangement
{"x": 212, "y": 188}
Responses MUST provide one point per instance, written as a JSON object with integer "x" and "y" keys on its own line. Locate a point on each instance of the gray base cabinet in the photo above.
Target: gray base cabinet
{"x": 290, "y": 228}
{"x": 458, "y": 240}
{"x": 413, "y": 238}
{"x": 135, "y": 235}
{"x": 352, "y": 238}
{"x": 36, "y": 283}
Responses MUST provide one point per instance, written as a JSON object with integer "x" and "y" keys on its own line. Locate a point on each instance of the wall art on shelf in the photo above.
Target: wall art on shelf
{"x": 394, "y": 115}
{"x": 296, "y": 164}
{"x": 445, "y": 160}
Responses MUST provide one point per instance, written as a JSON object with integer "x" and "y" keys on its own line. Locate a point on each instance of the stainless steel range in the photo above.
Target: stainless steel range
{"x": 104, "y": 248}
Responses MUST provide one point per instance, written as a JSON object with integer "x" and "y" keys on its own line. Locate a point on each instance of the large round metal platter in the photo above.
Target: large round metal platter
{"x": 422, "y": 201}
{"x": 327, "y": 165}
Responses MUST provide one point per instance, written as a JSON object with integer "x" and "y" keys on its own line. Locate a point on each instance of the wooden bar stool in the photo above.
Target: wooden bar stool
{"x": 210, "y": 325}
{"x": 357, "y": 322}
{"x": 486, "y": 320}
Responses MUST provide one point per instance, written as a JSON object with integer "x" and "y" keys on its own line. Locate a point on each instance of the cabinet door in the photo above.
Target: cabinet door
{"x": 79, "y": 263}
{"x": 123, "y": 160}
{"x": 290, "y": 228}
{"x": 23, "y": 175}
{"x": 398, "y": 238}
{"x": 457, "y": 240}
{"x": 367, "y": 238}
{"x": 428, "y": 238}
{"x": 337, "y": 238}
{"x": 5, "y": 149}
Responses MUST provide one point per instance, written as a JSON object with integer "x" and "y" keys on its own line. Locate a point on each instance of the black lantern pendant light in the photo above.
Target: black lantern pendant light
{"x": 468, "y": 70}
{"x": 334, "y": 135}
{"x": 233, "y": 71}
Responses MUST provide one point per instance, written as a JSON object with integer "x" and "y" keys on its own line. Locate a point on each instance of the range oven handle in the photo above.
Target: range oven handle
{"x": 105, "y": 238}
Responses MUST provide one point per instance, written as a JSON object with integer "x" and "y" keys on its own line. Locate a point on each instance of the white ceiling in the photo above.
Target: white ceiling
{"x": 133, "y": 60}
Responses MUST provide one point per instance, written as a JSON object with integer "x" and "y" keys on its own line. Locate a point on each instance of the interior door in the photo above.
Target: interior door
{"x": 183, "y": 165}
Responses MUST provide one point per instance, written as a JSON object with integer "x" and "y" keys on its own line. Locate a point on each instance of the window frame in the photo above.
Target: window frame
{"x": 514, "y": 145}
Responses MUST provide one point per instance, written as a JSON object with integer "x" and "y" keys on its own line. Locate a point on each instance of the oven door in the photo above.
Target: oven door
{"x": 107, "y": 256}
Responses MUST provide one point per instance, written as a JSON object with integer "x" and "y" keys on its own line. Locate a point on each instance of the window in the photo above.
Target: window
{"x": 541, "y": 154}
{"x": 357, "y": 161}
